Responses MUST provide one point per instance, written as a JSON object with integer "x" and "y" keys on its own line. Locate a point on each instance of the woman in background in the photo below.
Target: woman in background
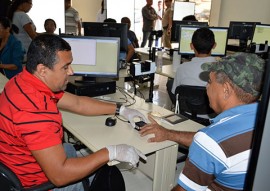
{"x": 26, "y": 29}
{"x": 11, "y": 51}
{"x": 49, "y": 26}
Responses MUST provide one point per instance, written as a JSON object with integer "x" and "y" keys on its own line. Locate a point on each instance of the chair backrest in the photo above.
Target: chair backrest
{"x": 8, "y": 179}
{"x": 193, "y": 99}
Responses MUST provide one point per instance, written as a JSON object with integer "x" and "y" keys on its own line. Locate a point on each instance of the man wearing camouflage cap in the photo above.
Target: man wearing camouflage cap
{"x": 219, "y": 154}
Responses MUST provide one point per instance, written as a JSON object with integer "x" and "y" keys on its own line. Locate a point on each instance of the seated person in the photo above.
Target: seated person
{"x": 31, "y": 124}
{"x": 219, "y": 154}
{"x": 124, "y": 56}
{"x": 188, "y": 73}
{"x": 131, "y": 35}
{"x": 11, "y": 50}
{"x": 49, "y": 26}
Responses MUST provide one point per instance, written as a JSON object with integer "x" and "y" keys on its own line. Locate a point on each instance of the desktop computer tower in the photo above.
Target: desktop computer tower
{"x": 101, "y": 86}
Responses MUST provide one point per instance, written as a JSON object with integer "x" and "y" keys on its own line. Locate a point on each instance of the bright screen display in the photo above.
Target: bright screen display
{"x": 182, "y": 9}
{"x": 95, "y": 56}
{"x": 261, "y": 34}
{"x": 186, "y": 32}
{"x": 44, "y": 9}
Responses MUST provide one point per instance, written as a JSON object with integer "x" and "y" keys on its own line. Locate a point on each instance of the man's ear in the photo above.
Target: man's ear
{"x": 41, "y": 69}
{"x": 214, "y": 46}
{"x": 191, "y": 46}
{"x": 228, "y": 90}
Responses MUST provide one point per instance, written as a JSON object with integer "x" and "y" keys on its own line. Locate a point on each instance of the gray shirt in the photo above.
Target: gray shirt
{"x": 149, "y": 16}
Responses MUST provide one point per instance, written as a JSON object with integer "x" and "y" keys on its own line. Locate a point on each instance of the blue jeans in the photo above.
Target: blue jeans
{"x": 146, "y": 35}
{"x": 71, "y": 153}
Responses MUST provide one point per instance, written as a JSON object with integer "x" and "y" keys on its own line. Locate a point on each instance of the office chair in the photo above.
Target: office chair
{"x": 10, "y": 181}
{"x": 192, "y": 101}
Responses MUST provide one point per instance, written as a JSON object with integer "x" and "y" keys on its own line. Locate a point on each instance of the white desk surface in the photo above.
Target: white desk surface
{"x": 93, "y": 132}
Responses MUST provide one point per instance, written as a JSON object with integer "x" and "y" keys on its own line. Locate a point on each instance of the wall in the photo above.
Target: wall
{"x": 222, "y": 11}
{"x": 87, "y": 9}
{"x": 240, "y": 10}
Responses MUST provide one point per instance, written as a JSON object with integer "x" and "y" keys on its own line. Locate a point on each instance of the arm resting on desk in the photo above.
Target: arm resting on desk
{"x": 85, "y": 105}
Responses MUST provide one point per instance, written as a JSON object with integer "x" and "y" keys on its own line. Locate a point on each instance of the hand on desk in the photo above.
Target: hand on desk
{"x": 125, "y": 153}
{"x": 160, "y": 133}
{"x": 130, "y": 114}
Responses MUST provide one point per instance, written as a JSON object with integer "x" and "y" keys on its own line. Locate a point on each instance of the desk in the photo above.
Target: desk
{"x": 161, "y": 162}
{"x": 167, "y": 60}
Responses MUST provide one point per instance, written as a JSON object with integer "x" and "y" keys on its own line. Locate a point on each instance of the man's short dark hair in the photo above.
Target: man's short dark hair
{"x": 203, "y": 40}
{"x": 43, "y": 50}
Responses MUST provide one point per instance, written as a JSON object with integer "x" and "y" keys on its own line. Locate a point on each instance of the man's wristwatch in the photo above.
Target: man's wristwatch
{"x": 118, "y": 106}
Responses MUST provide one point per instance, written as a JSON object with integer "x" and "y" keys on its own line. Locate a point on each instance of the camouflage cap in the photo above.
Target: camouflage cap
{"x": 244, "y": 69}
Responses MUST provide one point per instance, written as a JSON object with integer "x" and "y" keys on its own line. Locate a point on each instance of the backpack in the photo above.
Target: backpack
{"x": 108, "y": 178}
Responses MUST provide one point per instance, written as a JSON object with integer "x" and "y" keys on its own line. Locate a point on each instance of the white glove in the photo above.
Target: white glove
{"x": 130, "y": 114}
{"x": 125, "y": 153}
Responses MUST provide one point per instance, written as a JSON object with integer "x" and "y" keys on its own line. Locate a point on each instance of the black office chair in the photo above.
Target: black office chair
{"x": 192, "y": 101}
{"x": 10, "y": 181}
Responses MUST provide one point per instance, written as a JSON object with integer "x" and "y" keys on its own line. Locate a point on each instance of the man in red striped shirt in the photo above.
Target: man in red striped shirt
{"x": 31, "y": 127}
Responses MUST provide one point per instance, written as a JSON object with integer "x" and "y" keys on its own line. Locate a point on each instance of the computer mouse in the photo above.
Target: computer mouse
{"x": 110, "y": 121}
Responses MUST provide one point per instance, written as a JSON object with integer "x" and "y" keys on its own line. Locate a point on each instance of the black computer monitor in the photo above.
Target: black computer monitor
{"x": 186, "y": 32}
{"x": 94, "y": 56}
{"x": 108, "y": 30}
{"x": 176, "y": 27}
{"x": 261, "y": 34}
{"x": 242, "y": 31}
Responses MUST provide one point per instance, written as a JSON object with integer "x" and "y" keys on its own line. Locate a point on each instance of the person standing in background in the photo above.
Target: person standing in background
{"x": 167, "y": 24}
{"x": 158, "y": 25}
{"x": 73, "y": 23}
{"x": 24, "y": 28}
{"x": 11, "y": 51}
{"x": 149, "y": 17}
{"x": 102, "y": 14}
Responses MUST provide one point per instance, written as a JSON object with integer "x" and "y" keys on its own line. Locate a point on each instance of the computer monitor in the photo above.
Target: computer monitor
{"x": 108, "y": 30}
{"x": 242, "y": 31}
{"x": 182, "y": 9}
{"x": 186, "y": 32}
{"x": 261, "y": 34}
{"x": 94, "y": 56}
{"x": 176, "y": 27}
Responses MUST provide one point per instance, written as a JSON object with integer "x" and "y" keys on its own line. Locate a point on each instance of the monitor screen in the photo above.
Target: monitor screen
{"x": 176, "y": 26}
{"x": 182, "y": 9}
{"x": 108, "y": 30}
{"x": 261, "y": 34}
{"x": 186, "y": 32}
{"x": 94, "y": 56}
{"x": 241, "y": 30}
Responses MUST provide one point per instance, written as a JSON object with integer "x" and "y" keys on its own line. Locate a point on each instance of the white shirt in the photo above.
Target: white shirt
{"x": 190, "y": 73}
